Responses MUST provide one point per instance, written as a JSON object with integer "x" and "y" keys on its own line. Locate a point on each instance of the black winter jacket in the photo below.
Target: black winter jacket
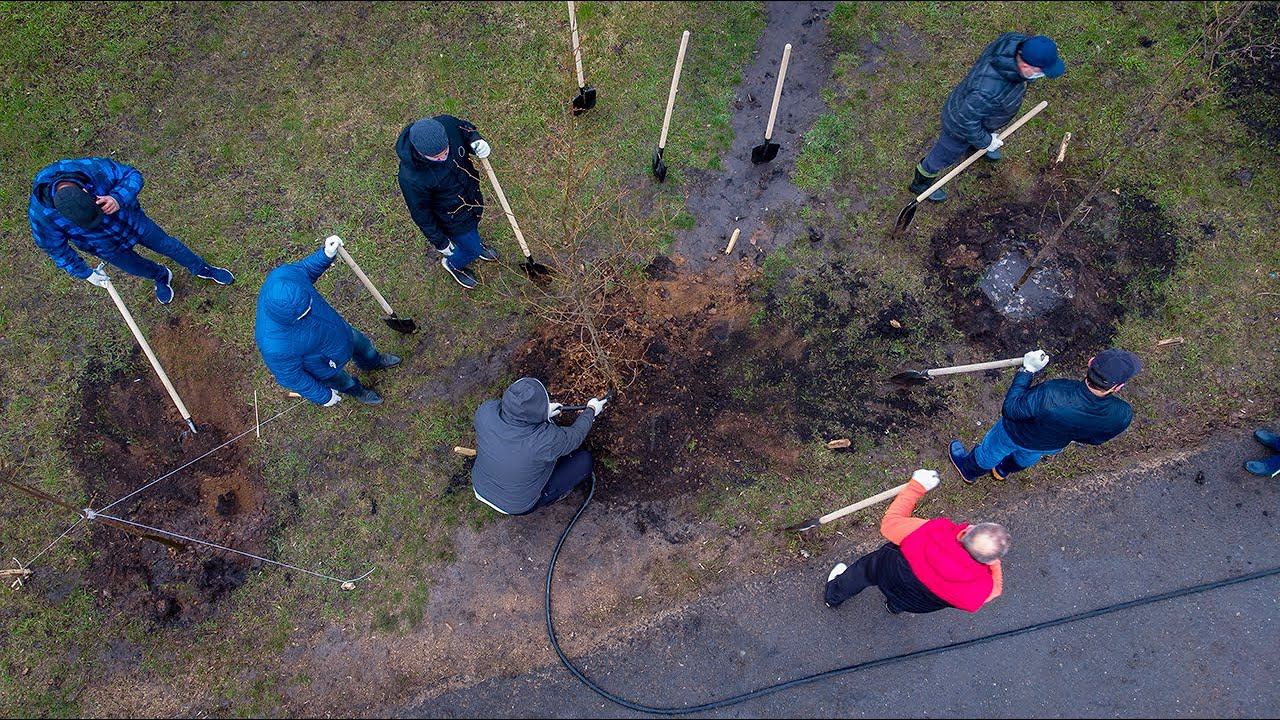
{"x": 989, "y": 96}
{"x": 1056, "y": 413}
{"x": 444, "y": 198}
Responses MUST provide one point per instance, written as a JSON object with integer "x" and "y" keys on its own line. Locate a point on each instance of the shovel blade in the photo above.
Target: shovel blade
{"x": 401, "y": 325}
{"x": 905, "y": 216}
{"x": 764, "y": 152}
{"x": 536, "y": 271}
{"x": 659, "y": 167}
{"x": 584, "y": 100}
{"x": 809, "y": 524}
{"x": 911, "y": 377}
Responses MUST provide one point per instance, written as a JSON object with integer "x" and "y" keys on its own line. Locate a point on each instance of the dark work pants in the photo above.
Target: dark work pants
{"x": 571, "y": 471}
{"x": 887, "y": 569}
{"x": 156, "y": 239}
{"x": 366, "y": 357}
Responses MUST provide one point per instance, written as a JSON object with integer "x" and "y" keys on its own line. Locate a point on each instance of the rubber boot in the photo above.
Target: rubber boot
{"x": 993, "y": 156}
{"x": 1006, "y": 467}
{"x": 964, "y": 463}
{"x": 1268, "y": 468}
{"x": 1268, "y": 438}
{"x": 387, "y": 360}
{"x": 364, "y": 394}
{"x": 922, "y": 183}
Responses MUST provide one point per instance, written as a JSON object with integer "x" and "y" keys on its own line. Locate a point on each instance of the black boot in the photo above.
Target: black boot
{"x": 364, "y": 394}
{"x": 922, "y": 183}
{"x": 1006, "y": 467}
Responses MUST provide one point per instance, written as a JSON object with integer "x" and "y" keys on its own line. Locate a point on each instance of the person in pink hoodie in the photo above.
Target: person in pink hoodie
{"x": 927, "y": 565}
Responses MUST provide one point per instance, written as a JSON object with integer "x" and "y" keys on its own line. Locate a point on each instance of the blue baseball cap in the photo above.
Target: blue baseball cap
{"x": 1113, "y": 367}
{"x": 1043, "y": 53}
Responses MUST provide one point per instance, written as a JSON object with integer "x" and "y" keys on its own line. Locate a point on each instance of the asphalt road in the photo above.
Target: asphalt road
{"x": 1144, "y": 530}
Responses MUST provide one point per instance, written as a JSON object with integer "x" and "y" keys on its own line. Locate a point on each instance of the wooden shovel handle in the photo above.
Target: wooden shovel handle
{"x": 364, "y": 279}
{"x": 777, "y": 90}
{"x": 506, "y": 207}
{"x": 675, "y": 82}
{"x": 976, "y": 367}
{"x": 877, "y": 498}
{"x": 146, "y": 349}
{"x": 974, "y": 157}
{"x": 577, "y": 52}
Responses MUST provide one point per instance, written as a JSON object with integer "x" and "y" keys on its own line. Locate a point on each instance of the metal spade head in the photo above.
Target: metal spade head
{"x": 584, "y": 100}
{"x": 905, "y": 216}
{"x": 659, "y": 167}
{"x": 912, "y": 377}
{"x": 536, "y": 271}
{"x": 809, "y": 524}
{"x": 401, "y": 325}
{"x": 764, "y": 152}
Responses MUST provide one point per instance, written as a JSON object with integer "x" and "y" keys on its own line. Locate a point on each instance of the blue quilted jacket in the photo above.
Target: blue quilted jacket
{"x": 117, "y": 232}
{"x": 300, "y": 347}
{"x": 1056, "y": 413}
{"x": 989, "y": 96}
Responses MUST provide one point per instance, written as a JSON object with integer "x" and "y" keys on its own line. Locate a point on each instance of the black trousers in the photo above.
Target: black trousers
{"x": 887, "y": 569}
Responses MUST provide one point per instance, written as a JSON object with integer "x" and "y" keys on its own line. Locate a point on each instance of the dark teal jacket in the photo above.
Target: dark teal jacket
{"x": 1056, "y": 413}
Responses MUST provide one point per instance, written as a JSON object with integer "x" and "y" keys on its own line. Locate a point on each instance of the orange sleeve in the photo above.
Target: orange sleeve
{"x": 898, "y": 523}
{"x": 997, "y": 581}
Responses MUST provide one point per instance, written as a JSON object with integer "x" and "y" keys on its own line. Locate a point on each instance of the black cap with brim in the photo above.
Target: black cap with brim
{"x": 1113, "y": 367}
{"x": 78, "y": 206}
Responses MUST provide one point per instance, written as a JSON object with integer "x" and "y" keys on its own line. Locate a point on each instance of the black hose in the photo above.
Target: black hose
{"x": 815, "y": 677}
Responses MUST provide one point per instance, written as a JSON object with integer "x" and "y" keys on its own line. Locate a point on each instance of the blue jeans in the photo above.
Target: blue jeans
{"x": 571, "y": 471}
{"x": 156, "y": 239}
{"x": 997, "y": 445}
{"x": 947, "y": 151}
{"x": 468, "y": 249}
{"x": 366, "y": 357}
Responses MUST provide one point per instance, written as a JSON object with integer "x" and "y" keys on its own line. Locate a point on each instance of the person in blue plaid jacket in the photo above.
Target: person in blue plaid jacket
{"x": 92, "y": 203}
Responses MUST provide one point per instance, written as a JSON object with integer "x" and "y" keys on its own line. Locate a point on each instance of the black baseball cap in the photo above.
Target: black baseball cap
{"x": 1113, "y": 367}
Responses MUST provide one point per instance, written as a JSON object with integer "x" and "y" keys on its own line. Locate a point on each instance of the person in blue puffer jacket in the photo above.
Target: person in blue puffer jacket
{"x": 985, "y": 101}
{"x": 305, "y": 342}
{"x": 92, "y": 203}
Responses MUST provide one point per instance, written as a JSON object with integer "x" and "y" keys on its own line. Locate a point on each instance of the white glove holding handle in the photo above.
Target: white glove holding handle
{"x": 597, "y": 405}
{"x": 996, "y": 142}
{"x": 334, "y": 399}
{"x": 480, "y": 148}
{"x": 928, "y": 478}
{"x": 98, "y": 277}
{"x": 1035, "y": 361}
{"x": 553, "y": 409}
{"x": 331, "y": 245}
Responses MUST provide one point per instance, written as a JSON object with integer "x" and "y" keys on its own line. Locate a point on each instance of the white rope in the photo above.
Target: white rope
{"x": 207, "y": 454}
{"x": 74, "y": 525}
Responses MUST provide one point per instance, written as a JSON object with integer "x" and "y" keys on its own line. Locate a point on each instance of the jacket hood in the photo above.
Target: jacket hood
{"x": 526, "y": 402}
{"x": 404, "y": 150}
{"x": 42, "y": 186}
{"x": 1004, "y": 58}
{"x": 285, "y": 301}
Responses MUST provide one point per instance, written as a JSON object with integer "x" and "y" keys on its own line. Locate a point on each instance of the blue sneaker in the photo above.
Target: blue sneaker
{"x": 463, "y": 277}
{"x": 488, "y": 253}
{"x": 1264, "y": 468}
{"x": 964, "y": 462}
{"x": 387, "y": 360}
{"x": 164, "y": 288}
{"x": 1268, "y": 438}
{"x": 222, "y": 276}
{"x": 993, "y": 156}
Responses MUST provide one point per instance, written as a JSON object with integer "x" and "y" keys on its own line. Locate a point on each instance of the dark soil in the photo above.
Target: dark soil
{"x": 129, "y": 434}
{"x": 1253, "y": 79}
{"x": 1110, "y": 263}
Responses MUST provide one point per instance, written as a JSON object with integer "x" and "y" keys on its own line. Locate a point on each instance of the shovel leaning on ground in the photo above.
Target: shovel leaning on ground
{"x": 908, "y": 213}
{"x": 920, "y": 377}
{"x": 393, "y": 321}
{"x": 660, "y": 167}
{"x": 586, "y": 97}
{"x": 151, "y": 356}
{"x": 563, "y": 408}
{"x": 766, "y": 151}
{"x": 535, "y": 270}
{"x": 814, "y": 522}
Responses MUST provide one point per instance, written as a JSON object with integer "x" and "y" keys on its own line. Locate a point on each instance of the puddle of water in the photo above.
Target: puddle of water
{"x": 1046, "y": 289}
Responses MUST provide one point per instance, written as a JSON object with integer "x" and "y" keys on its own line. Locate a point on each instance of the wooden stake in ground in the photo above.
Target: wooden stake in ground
{"x": 146, "y": 349}
{"x": 464, "y": 451}
{"x": 732, "y": 241}
{"x": 1062, "y": 148}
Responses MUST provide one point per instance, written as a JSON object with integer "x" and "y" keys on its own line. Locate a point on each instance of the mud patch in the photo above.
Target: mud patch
{"x": 1108, "y": 264}
{"x": 129, "y": 434}
{"x": 1253, "y": 80}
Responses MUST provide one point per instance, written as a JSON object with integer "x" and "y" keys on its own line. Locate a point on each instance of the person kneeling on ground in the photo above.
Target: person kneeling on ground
{"x": 525, "y": 461}
{"x": 927, "y": 565}
{"x": 1045, "y": 419}
{"x": 305, "y": 342}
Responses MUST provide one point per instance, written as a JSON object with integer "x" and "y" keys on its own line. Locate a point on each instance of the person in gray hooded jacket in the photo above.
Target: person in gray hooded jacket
{"x": 525, "y": 461}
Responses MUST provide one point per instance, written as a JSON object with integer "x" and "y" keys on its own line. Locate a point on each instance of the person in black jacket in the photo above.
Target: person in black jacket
{"x": 985, "y": 101}
{"x": 1043, "y": 420}
{"x": 442, "y": 189}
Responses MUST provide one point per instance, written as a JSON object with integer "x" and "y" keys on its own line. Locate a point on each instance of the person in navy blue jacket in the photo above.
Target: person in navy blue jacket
{"x": 305, "y": 342}
{"x": 985, "y": 101}
{"x": 92, "y": 203}
{"x": 1044, "y": 419}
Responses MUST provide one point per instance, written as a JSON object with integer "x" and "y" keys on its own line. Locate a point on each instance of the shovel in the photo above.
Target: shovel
{"x": 814, "y": 522}
{"x": 920, "y": 377}
{"x": 393, "y": 321}
{"x": 660, "y": 167}
{"x": 908, "y": 213}
{"x": 586, "y": 97}
{"x": 607, "y": 397}
{"x": 535, "y": 271}
{"x": 151, "y": 356}
{"x": 766, "y": 151}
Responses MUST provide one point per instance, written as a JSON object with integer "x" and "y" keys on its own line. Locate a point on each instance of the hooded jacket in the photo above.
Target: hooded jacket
{"x": 116, "y": 233}
{"x": 989, "y": 96}
{"x": 517, "y": 446}
{"x": 444, "y": 198}
{"x": 301, "y": 347}
{"x": 1056, "y": 413}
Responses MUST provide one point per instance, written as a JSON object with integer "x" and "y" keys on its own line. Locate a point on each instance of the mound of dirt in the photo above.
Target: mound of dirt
{"x": 130, "y": 434}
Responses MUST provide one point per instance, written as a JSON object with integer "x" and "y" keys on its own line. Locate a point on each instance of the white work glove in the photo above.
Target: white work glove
{"x": 553, "y": 409}
{"x": 480, "y": 148}
{"x": 98, "y": 278}
{"x": 1034, "y": 361}
{"x": 597, "y": 405}
{"x": 928, "y": 478}
{"x": 334, "y": 399}
{"x": 331, "y": 245}
{"x": 996, "y": 142}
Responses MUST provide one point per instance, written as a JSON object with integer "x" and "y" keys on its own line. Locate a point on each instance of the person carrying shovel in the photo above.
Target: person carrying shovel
{"x": 525, "y": 461}
{"x": 442, "y": 189}
{"x": 927, "y": 565}
{"x": 92, "y": 203}
{"x": 986, "y": 100}
{"x": 305, "y": 342}
{"x": 1043, "y": 420}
